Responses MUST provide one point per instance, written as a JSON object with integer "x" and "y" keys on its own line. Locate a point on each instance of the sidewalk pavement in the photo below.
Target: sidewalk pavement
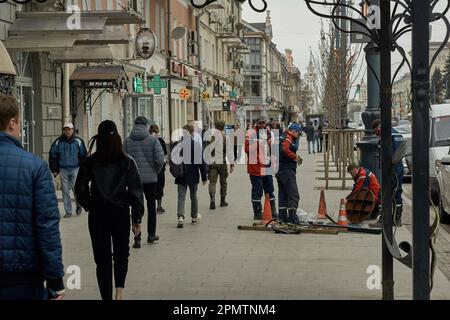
{"x": 214, "y": 260}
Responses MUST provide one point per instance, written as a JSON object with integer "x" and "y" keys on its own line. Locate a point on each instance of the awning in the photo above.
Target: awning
{"x": 54, "y": 25}
{"x": 96, "y": 77}
{"x": 83, "y": 54}
{"x": 6, "y": 65}
{"x": 113, "y": 17}
{"x": 48, "y": 31}
{"x": 45, "y": 43}
{"x": 40, "y": 42}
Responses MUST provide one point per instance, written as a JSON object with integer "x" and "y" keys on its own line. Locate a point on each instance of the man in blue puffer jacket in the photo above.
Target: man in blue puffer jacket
{"x": 65, "y": 157}
{"x": 30, "y": 243}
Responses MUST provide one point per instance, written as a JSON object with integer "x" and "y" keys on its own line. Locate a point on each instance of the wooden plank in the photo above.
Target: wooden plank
{"x": 254, "y": 228}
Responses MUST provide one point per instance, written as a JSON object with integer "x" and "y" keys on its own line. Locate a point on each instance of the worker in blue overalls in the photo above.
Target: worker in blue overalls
{"x": 398, "y": 172}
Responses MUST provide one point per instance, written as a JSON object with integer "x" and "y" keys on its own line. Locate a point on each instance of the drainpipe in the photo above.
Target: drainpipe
{"x": 66, "y": 82}
{"x": 169, "y": 56}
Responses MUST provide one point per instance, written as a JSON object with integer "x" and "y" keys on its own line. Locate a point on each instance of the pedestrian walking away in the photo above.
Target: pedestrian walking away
{"x": 108, "y": 184}
{"x": 154, "y": 130}
{"x": 238, "y": 142}
{"x": 65, "y": 157}
{"x": 221, "y": 150}
{"x": 320, "y": 138}
{"x": 30, "y": 242}
{"x": 310, "y": 137}
{"x": 148, "y": 153}
{"x": 188, "y": 172}
{"x": 288, "y": 196}
{"x": 258, "y": 147}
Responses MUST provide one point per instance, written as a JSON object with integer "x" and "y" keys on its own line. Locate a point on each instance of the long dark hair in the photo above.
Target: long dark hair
{"x": 108, "y": 143}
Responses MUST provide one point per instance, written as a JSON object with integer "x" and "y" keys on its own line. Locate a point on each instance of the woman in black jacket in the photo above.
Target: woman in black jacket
{"x": 154, "y": 130}
{"x": 108, "y": 183}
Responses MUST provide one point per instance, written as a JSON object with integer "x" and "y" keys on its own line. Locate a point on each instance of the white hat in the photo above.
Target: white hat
{"x": 68, "y": 125}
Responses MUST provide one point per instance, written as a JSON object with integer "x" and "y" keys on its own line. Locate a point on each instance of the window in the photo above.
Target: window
{"x": 213, "y": 54}
{"x": 158, "y": 26}
{"x": 163, "y": 26}
{"x": 147, "y": 12}
{"x": 175, "y": 42}
{"x": 256, "y": 86}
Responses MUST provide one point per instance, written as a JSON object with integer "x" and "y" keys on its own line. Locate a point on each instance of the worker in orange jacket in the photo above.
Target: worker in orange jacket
{"x": 364, "y": 178}
{"x": 258, "y": 147}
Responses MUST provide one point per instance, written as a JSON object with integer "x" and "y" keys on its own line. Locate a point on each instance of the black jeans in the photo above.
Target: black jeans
{"x": 150, "y": 196}
{"x": 105, "y": 225}
{"x": 160, "y": 185}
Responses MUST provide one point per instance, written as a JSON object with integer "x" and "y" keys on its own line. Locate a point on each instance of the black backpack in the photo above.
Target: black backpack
{"x": 176, "y": 170}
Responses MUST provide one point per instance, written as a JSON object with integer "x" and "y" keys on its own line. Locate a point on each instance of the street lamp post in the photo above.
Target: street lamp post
{"x": 369, "y": 143}
{"x": 420, "y": 78}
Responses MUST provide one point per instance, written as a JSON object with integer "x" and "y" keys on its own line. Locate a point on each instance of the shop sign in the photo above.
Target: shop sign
{"x": 137, "y": 85}
{"x": 215, "y": 104}
{"x": 184, "y": 94}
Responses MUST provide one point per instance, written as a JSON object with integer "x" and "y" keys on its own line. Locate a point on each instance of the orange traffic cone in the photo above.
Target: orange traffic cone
{"x": 343, "y": 214}
{"x": 322, "y": 206}
{"x": 267, "y": 213}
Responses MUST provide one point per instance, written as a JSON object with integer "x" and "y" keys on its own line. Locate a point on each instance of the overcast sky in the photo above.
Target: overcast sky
{"x": 296, "y": 28}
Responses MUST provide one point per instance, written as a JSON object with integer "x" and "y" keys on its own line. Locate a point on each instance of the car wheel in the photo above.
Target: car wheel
{"x": 444, "y": 216}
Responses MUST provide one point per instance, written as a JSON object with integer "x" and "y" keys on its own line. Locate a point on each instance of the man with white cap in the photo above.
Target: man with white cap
{"x": 65, "y": 157}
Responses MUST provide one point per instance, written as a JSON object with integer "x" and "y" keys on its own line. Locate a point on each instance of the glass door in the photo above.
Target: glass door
{"x": 25, "y": 97}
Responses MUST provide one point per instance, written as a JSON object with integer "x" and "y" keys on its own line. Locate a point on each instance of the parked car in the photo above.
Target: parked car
{"x": 404, "y": 128}
{"x": 443, "y": 177}
{"x": 439, "y": 143}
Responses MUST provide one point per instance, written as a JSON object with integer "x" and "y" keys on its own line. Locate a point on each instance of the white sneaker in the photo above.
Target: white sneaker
{"x": 196, "y": 220}
{"x": 180, "y": 222}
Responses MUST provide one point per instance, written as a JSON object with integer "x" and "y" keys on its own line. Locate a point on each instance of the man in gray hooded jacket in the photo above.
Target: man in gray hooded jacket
{"x": 146, "y": 150}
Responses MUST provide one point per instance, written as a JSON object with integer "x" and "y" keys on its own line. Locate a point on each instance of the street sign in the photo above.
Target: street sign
{"x": 215, "y": 104}
{"x": 157, "y": 84}
{"x": 184, "y": 94}
{"x": 359, "y": 34}
{"x": 205, "y": 96}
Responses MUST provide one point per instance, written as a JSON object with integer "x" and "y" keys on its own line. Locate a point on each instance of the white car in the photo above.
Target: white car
{"x": 439, "y": 143}
{"x": 443, "y": 178}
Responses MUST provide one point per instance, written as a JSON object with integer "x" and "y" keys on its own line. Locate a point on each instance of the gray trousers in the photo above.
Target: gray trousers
{"x": 182, "y": 191}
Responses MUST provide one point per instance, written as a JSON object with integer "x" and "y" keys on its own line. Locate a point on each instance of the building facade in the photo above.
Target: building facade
{"x": 222, "y": 51}
{"x": 266, "y": 74}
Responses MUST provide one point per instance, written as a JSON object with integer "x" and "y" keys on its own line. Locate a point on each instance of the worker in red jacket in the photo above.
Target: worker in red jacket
{"x": 364, "y": 179}
{"x": 258, "y": 147}
{"x": 288, "y": 196}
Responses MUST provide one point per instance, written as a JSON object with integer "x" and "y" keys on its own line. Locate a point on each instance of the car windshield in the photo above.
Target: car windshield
{"x": 441, "y": 130}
